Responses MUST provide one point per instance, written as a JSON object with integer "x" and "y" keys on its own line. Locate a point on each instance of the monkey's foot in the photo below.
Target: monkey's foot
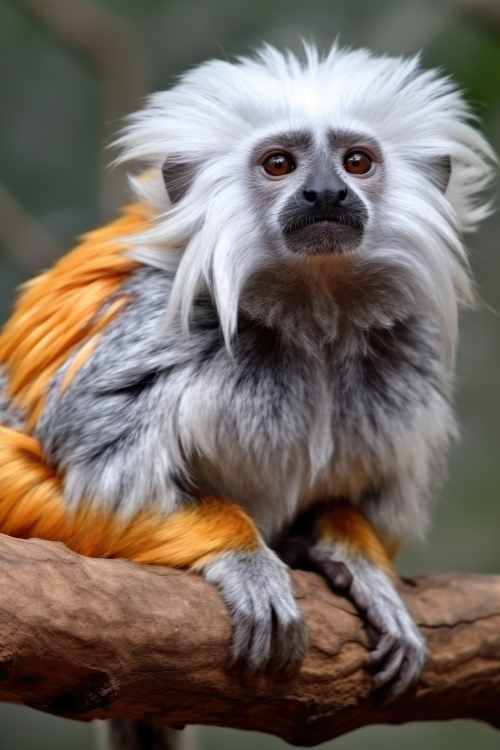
{"x": 269, "y": 629}
{"x": 399, "y": 651}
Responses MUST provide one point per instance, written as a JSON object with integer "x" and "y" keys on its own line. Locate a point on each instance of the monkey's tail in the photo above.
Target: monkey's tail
{"x": 120, "y": 734}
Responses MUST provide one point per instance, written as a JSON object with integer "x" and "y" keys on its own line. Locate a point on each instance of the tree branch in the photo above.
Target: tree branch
{"x": 484, "y": 13}
{"x": 109, "y": 45}
{"x": 27, "y": 241}
{"x": 90, "y": 638}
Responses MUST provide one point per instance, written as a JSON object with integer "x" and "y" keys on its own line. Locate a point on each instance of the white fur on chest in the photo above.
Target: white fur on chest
{"x": 310, "y": 445}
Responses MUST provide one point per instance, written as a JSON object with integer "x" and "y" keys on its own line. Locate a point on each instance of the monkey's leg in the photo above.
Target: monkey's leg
{"x": 346, "y": 550}
{"x": 210, "y": 536}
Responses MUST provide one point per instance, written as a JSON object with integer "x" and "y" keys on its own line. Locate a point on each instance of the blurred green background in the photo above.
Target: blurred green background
{"x": 71, "y": 68}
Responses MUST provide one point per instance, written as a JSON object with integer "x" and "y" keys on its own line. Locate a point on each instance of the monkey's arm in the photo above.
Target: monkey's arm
{"x": 211, "y": 536}
{"x": 345, "y": 548}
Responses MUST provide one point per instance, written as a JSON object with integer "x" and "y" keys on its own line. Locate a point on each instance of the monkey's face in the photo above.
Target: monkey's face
{"x": 313, "y": 188}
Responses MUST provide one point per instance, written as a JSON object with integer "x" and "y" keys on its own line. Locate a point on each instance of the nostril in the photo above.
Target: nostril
{"x": 342, "y": 194}
{"x": 310, "y": 196}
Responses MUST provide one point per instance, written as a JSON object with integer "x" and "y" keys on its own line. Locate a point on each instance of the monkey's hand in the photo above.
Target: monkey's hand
{"x": 269, "y": 629}
{"x": 399, "y": 651}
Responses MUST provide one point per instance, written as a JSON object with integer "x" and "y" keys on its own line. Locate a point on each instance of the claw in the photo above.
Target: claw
{"x": 410, "y": 669}
{"x": 392, "y": 666}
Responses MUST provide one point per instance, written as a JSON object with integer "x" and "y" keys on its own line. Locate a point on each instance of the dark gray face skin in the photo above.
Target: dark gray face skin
{"x": 323, "y": 211}
{"x": 324, "y": 215}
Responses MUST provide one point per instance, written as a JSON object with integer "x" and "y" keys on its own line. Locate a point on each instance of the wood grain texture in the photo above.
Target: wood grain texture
{"x": 92, "y": 638}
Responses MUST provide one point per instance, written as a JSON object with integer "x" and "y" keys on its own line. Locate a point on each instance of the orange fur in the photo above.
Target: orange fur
{"x": 65, "y": 308}
{"x": 347, "y": 525}
{"x": 32, "y": 505}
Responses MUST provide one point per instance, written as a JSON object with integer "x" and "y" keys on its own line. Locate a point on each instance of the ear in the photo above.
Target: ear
{"x": 439, "y": 171}
{"x": 178, "y": 177}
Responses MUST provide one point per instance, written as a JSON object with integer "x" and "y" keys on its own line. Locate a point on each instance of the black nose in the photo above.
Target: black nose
{"x": 312, "y": 196}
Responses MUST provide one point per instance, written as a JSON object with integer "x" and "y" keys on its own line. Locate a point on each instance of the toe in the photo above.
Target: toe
{"x": 260, "y": 643}
{"x": 383, "y": 647}
{"x": 242, "y": 631}
{"x": 408, "y": 672}
{"x": 391, "y": 667}
{"x": 289, "y": 644}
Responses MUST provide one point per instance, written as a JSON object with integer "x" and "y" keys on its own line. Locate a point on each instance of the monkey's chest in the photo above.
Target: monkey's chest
{"x": 279, "y": 440}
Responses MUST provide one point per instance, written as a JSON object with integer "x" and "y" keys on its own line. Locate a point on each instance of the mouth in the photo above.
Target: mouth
{"x": 328, "y": 220}
{"x": 323, "y": 232}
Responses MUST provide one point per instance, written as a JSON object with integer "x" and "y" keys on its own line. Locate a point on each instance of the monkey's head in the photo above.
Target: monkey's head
{"x": 272, "y": 164}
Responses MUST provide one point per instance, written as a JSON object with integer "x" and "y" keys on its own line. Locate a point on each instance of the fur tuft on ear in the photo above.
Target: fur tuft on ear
{"x": 440, "y": 172}
{"x": 178, "y": 178}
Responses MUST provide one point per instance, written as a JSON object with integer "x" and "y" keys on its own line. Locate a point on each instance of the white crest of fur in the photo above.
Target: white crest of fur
{"x": 217, "y": 112}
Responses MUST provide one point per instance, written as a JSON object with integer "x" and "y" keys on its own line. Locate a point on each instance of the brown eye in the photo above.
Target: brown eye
{"x": 357, "y": 162}
{"x": 278, "y": 165}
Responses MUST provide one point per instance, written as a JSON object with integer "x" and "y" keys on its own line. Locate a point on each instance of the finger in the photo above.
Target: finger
{"x": 408, "y": 674}
{"x": 242, "y": 631}
{"x": 260, "y": 643}
{"x": 337, "y": 573}
{"x": 286, "y": 658}
{"x": 384, "y": 646}
{"x": 289, "y": 642}
{"x": 392, "y": 666}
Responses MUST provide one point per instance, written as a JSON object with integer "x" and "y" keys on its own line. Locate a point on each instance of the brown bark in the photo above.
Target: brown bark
{"x": 88, "y": 638}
